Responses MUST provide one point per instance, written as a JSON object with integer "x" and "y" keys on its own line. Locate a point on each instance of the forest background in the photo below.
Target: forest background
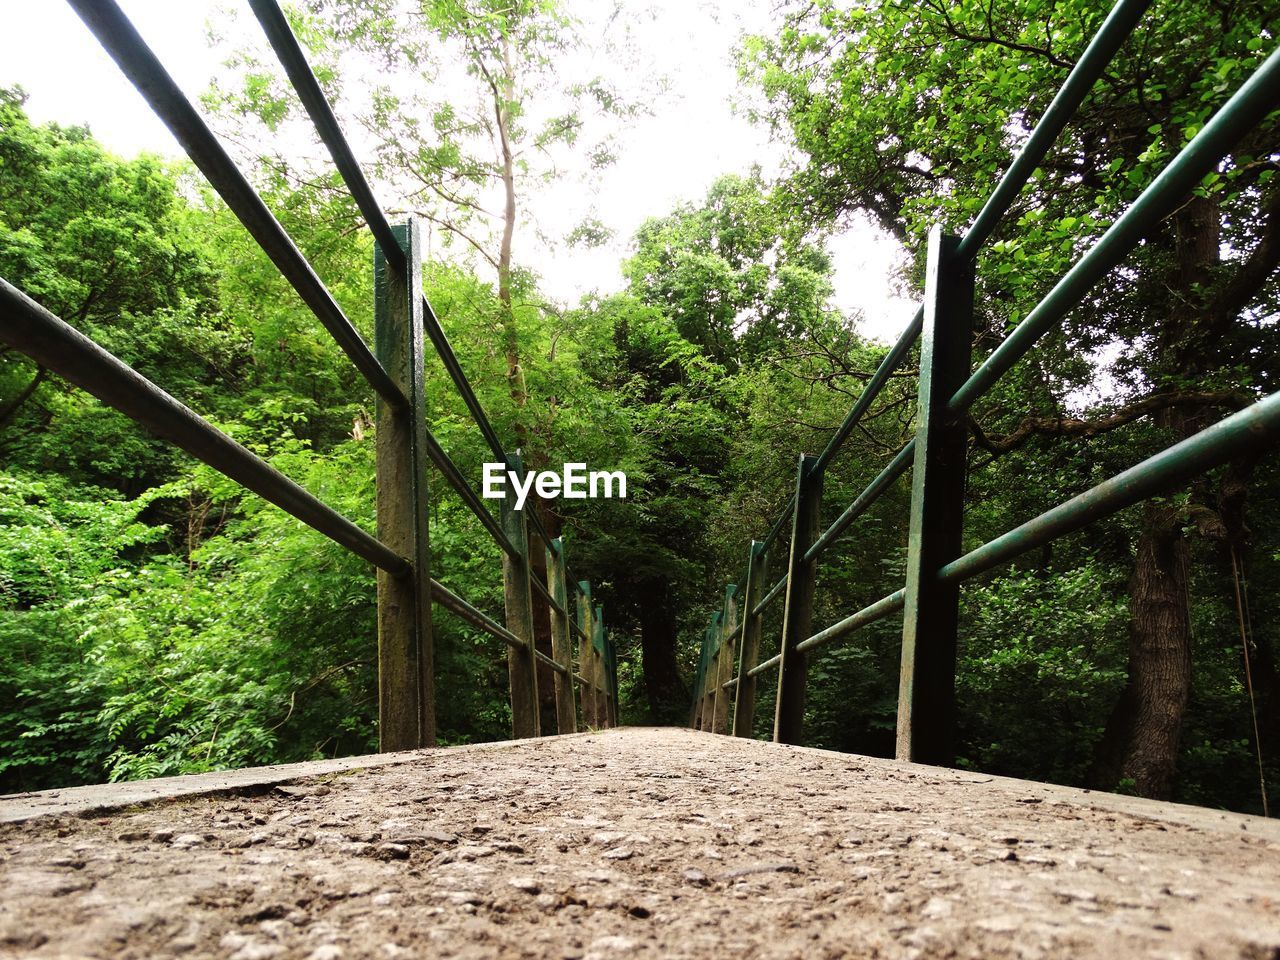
{"x": 156, "y": 620}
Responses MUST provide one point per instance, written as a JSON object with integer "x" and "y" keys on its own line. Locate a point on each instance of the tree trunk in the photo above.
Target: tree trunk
{"x": 1143, "y": 733}
{"x": 666, "y": 693}
{"x": 1142, "y": 737}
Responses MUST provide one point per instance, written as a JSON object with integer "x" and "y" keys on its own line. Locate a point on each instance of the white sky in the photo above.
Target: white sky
{"x": 673, "y": 155}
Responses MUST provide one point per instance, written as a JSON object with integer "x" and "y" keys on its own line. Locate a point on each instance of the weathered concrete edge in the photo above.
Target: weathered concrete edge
{"x": 1206, "y": 818}
{"x": 107, "y": 797}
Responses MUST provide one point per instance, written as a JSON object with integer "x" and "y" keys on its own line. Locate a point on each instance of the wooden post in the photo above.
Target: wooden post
{"x": 744, "y": 704}
{"x": 597, "y": 667}
{"x": 725, "y": 661}
{"x": 522, "y": 665}
{"x": 561, "y": 642}
{"x": 699, "y": 685}
{"x": 926, "y": 691}
{"x": 586, "y": 620}
{"x": 406, "y": 699}
{"x": 695, "y": 720}
{"x": 713, "y": 671}
{"x": 797, "y": 618}
{"x": 611, "y": 672}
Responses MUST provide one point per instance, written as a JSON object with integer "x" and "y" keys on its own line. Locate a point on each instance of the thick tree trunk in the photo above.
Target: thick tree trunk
{"x": 1142, "y": 737}
{"x": 1143, "y": 734}
{"x": 667, "y": 695}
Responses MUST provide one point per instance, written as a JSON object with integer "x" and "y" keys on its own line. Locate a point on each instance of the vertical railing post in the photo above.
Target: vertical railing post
{"x": 725, "y": 661}
{"x": 406, "y": 698}
{"x": 797, "y": 617}
{"x": 598, "y": 674}
{"x": 611, "y": 671}
{"x": 926, "y": 692}
{"x": 586, "y": 662}
{"x": 561, "y": 641}
{"x": 518, "y": 592}
{"x": 744, "y": 704}
{"x": 712, "y": 671}
{"x": 699, "y": 685}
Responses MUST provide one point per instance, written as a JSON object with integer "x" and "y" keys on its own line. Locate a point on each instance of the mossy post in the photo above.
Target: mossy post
{"x": 744, "y": 704}
{"x": 522, "y": 666}
{"x": 561, "y": 639}
{"x": 797, "y": 618}
{"x": 406, "y": 698}
{"x": 926, "y": 690}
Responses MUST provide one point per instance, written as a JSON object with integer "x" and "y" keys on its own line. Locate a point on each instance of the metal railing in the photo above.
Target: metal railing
{"x": 937, "y": 455}
{"x": 394, "y": 368}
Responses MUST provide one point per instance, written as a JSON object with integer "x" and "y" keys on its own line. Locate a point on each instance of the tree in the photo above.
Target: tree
{"x": 910, "y": 114}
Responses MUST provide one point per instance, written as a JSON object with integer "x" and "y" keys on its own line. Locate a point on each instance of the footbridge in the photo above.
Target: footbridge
{"x": 621, "y": 841}
{"x": 630, "y": 842}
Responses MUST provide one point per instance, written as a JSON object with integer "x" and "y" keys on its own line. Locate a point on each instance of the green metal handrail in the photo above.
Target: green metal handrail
{"x": 950, "y": 263}
{"x": 406, "y": 702}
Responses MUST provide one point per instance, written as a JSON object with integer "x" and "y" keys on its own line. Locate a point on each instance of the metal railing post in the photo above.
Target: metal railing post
{"x": 926, "y": 692}
{"x": 744, "y": 705}
{"x": 522, "y": 665}
{"x": 598, "y": 674}
{"x": 699, "y": 685}
{"x": 711, "y": 672}
{"x": 561, "y": 642}
{"x": 797, "y": 618}
{"x": 406, "y": 699}
{"x": 586, "y": 618}
{"x": 725, "y": 659}
{"x": 611, "y": 673}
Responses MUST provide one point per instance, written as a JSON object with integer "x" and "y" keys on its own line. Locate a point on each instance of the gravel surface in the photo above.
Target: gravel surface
{"x": 643, "y": 843}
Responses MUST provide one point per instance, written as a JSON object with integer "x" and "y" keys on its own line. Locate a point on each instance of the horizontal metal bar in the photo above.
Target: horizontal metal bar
{"x": 317, "y": 106}
{"x": 1241, "y": 433}
{"x": 892, "y": 360}
{"x": 876, "y": 611}
{"x": 465, "y": 611}
{"x": 122, "y": 41}
{"x": 436, "y": 334}
{"x": 30, "y": 328}
{"x": 1256, "y": 98}
{"x": 769, "y": 597}
{"x": 543, "y": 592}
{"x": 1117, "y": 27}
{"x": 557, "y": 667}
{"x": 767, "y": 665}
{"x": 729, "y": 684}
{"x": 896, "y": 468}
{"x": 451, "y": 473}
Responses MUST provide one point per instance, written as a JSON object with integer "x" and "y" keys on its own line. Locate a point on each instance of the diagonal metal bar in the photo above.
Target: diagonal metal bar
{"x": 896, "y": 468}
{"x": 870, "y": 614}
{"x": 1115, "y": 29}
{"x": 449, "y": 470}
{"x": 769, "y": 597}
{"x": 1242, "y": 433}
{"x": 125, "y": 45}
{"x": 780, "y": 524}
{"x": 892, "y": 360}
{"x": 1256, "y": 98}
{"x": 465, "y": 611}
{"x": 304, "y": 81}
{"x": 28, "y": 327}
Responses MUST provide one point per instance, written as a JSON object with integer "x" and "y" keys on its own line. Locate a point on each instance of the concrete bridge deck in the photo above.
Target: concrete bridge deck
{"x": 628, "y": 843}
